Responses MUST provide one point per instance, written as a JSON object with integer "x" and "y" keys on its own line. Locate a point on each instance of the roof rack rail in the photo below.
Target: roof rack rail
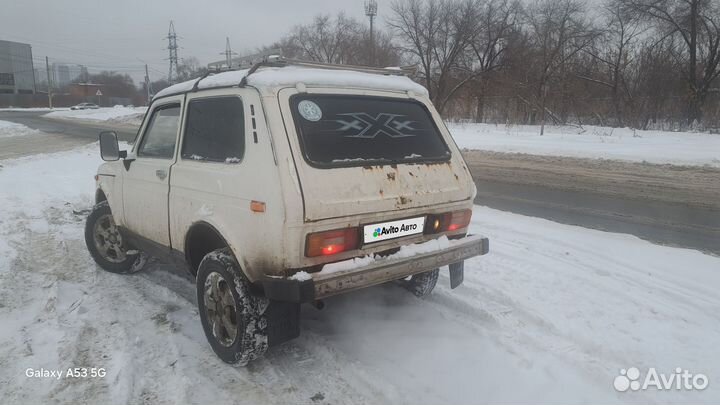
{"x": 197, "y": 82}
{"x": 279, "y": 61}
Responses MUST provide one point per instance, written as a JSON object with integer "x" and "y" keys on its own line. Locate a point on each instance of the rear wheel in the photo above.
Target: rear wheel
{"x": 106, "y": 244}
{"x": 422, "y": 284}
{"x": 233, "y": 319}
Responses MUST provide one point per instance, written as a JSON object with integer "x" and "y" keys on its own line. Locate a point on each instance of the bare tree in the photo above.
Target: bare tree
{"x": 436, "y": 34}
{"x": 190, "y": 68}
{"x": 614, "y": 54}
{"x": 385, "y": 52}
{"x": 557, "y": 30}
{"x": 695, "y": 24}
{"x": 497, "y": 21}
{"x": 639, "y": 62}
{"x": 326, "y": 39}
{"x": 337, "y": 40}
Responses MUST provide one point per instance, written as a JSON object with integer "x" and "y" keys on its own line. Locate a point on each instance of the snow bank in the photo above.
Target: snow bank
{"x": 10, "y": 129}
{"x": 116, "y": 115}
{"x": 550, "y": 315}
{"x": 289, "y": 76}
{"x": 679, "y": 148}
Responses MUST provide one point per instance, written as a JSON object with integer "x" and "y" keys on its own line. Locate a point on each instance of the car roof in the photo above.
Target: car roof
{"x": 284, "y": 76}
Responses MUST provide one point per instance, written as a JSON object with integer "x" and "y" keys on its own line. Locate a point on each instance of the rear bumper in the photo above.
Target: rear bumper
{"x": 323, "y": 285}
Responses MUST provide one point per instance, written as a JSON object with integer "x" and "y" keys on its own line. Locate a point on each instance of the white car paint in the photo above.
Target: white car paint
{"x": 298, "y": 199}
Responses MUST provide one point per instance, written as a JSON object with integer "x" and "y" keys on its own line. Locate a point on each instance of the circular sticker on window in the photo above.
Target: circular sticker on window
{"x": 309, "y": 110}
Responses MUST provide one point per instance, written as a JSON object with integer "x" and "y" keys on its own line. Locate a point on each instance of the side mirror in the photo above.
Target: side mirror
{"x": 109, "y": 149}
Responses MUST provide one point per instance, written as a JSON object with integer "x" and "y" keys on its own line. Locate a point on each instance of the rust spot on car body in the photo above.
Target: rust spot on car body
{"x": 391, "y": 176}
{"x": 435, "y": 164}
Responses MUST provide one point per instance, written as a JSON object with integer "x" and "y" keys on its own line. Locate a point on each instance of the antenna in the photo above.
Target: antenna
{"x": 371, "y": 13}
{"x": 172, "y": 48}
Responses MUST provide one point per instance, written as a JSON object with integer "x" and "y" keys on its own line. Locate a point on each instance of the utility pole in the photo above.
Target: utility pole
{"x": 371, "y": 12}
{"x": 47, "y": 69}
{"x": 172, "y": 49}
{"x": 228, "y": 53}
{"x": 147, "y": 85}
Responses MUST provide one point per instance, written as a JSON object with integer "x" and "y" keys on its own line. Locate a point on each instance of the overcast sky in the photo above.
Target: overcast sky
{"x": 122, "y": 35}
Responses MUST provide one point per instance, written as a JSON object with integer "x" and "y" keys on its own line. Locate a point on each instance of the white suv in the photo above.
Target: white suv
{"x": 285, "y": 184}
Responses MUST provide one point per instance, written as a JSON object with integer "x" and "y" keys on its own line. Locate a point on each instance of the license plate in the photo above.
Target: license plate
{"x": 393, "y": 229}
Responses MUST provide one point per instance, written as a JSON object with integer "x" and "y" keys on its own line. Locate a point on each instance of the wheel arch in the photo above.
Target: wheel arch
{"x": 100, "y": 195}
{"x": 201, "y": 239}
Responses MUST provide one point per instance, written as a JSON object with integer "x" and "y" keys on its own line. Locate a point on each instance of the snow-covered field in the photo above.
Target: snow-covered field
{"x": 679, "y": 148}
{"x": 115, "y": 115}
{"x": 10, "y": 129}
{"x": 549, "y": 316}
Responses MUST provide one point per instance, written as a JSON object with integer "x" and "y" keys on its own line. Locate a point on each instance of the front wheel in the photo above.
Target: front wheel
{"x": 232, "y": 317}
{"x": 106, "y": 245}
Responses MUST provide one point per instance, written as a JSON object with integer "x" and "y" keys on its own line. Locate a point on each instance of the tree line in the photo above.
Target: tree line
{"x": 635, "y": 63}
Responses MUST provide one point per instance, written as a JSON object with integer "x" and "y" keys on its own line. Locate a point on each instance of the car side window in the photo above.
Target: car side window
{"x": 161, "y": 133}
{"x": 215, "y": 130}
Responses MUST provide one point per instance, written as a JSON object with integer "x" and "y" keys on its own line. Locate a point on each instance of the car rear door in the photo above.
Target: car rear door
{"x": 146, "y": 181}
{"x": 370, "y": 152}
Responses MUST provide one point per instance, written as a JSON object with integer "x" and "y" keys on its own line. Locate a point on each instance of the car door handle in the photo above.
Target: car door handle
{"x": 161, "y": 174}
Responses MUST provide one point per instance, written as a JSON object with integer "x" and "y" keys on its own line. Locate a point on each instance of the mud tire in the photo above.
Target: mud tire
{"x": 250, "y": 339}
{"x": 130, "y": 263}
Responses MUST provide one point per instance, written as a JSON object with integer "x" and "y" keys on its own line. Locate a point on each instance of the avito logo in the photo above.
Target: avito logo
{"x": 680, "y": 379}
{"x": 389, "y": 230}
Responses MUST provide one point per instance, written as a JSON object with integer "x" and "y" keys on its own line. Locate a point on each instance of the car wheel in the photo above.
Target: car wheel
{"x": 232, "y": 317}
{"x": 106, "y": 245}
{"x": 422, "y": 284}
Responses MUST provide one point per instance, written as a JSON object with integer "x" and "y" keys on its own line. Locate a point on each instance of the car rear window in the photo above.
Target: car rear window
{"x": 341, "y": 130}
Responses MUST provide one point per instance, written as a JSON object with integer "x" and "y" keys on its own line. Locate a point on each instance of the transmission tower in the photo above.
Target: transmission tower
{"x": 228, "y": 53}
{"x": 172, "y": 48}
{"x": 371, "y": 13}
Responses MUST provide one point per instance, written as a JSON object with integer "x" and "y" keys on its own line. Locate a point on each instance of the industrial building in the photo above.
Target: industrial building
{"x": 17, "y": 75}
{"x": 63, "y": 74}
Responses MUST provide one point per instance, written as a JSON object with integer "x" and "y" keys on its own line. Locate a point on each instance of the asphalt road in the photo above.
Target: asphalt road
{"x": 74, "y": 129}
{"x": 677, "y": 206}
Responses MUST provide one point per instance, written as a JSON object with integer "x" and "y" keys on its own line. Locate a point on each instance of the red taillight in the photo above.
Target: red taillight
{"x": 331, "y": 242}
{"x": 448, "y": 222}
{"x": 459, "y": 220}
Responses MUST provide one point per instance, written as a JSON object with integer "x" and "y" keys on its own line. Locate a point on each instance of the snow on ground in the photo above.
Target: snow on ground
{"x": 10, "y": 129}
{"x": 32, "y": 109}
{"x": 549, "y": 316}
{"x": 679, "y": 148}
{"x": 115, "y": 115}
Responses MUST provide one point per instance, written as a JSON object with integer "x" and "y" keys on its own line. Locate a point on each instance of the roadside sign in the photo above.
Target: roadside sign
{"x": 98, "y": 93}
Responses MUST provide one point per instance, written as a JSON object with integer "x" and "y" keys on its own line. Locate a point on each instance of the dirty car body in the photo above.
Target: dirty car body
{"x": 329, "y": 180}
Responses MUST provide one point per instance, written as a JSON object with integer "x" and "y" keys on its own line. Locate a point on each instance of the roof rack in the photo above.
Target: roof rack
{"x": 279, "y": 61}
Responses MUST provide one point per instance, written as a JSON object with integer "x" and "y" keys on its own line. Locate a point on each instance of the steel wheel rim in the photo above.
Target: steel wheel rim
{"x": 220, "y": 309}
{"x": 108, "y": 240}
